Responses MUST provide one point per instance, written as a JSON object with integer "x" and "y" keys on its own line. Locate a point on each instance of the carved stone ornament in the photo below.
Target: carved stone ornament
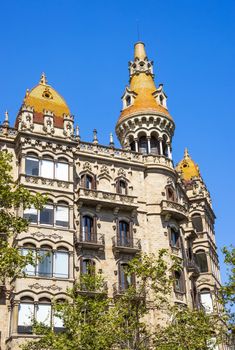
{"x": 87, "y": 166}
{"x": 121, "y": 172}
{"x": 53, "y": 236}
{"x": 39, "y": 286}
{"x": 104, "y": 170}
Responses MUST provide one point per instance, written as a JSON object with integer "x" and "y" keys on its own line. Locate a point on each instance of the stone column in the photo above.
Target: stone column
{"x": 169, "y": 151}
{"x": 136, "y": 145}
{"x": 160, "y": 144}
{"x": 149, "y": 144}
{"x": 71, "y": 268}
{"x": 14, "y": 318}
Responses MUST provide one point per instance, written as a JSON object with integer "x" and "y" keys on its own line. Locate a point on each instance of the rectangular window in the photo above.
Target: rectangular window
{"x": 32, "y": 166}
{"x": 25, "y": 317}
{"x": 47, "y": 169}
{"x": 45, "y": 263}
{"x": 29, "y": 269}
{"x": 61, "y": 266}
{"x": 62, "y": 216}
{"x": 62, "y": 171}
{"x": 47, "y": 215}
{"x": 58, "y": 323}
{"x": 44, "y": 314}
{"x": 31, "y": 214}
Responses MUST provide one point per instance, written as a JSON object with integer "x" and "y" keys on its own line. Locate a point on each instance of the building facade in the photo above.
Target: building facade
{"x": 105, "y": 204}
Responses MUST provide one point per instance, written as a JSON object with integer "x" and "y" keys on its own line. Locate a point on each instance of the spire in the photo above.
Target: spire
{"x": 139, "y": 51}
{"x": 43, "y": 79}
{"x": 186, "y": 154}
{"x": 187, "y": 168}
{"x": 111, "y": 142}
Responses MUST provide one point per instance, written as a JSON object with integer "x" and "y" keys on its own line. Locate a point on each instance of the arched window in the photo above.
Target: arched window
{"x": 174, "y": 237}
{"x": 121, "y": 186}
{"x": 47, "y": 214}
{"x": 128, "y": 100}
{"x": 43, "y": 312}
{"x": 44, "y": 266}
{"x": 124, "y": 238}
{"x": 164, "y": 146}
{"x": 154, "y": 144}
{"x": 201, "y": 260}
{"x": 88, "y": 229}
{"x": 125, "y": 279}
{"x": 32, "y": 164}
{"x": 62, "y": 169}
{"x": 47, "y": 167}
{"x": 88, "y": 182}
{"x": 206, "y": 300}
{"x": 88, "y": 267}
{"x": 25, "y": 315}
{"x": 62, "y": 214}
{"x": 179, "y": 282}
{"x": 28, "y": 248}
{"x": 170, "y": 194}
{"x": 161, "y": 99}
{"x": 132, "y": 145}
{"x": 143, "y": 145}
{"x": 197, "y": 222}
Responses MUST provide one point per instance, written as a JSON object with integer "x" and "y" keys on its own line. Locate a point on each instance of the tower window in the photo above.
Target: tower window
{"x": 143, "y": 145}
{"x": 179, "y": 282}
{"x": 197, "y": 222}
{"x": 121, "y": 187}
{"x": 201, "y": 260}
{"x": 174, "y": 238}
{"x": 128, "y": 100}
{"x": 161, "y": 98}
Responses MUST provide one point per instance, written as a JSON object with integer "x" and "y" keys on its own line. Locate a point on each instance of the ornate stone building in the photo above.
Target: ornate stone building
{"x": 105, "y": 204}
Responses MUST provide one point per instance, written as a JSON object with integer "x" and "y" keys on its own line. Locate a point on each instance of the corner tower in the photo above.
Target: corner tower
{"x": 145, "y": 124}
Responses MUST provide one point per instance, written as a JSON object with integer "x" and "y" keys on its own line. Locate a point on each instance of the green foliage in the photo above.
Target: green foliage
{"x": 12, "y": 197}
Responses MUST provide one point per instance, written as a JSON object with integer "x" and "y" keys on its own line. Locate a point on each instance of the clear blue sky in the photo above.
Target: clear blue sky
{"x": 84, "y": 48}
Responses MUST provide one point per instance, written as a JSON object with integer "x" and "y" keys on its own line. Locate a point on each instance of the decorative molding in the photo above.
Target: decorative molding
{"x": 39, "y": 286}
{"x": 54, "y": 236}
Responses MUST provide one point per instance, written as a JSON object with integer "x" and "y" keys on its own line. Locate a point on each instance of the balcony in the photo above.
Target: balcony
{"x": 192, "y": 266}
{"x": 106, "y": 199}
{"x": 174, "y": 209}
{"x": 92, "y": 289}
{"x": 93, "y": 241}
{"x": 129, "y": 246}
{"x": 133, "y": 291}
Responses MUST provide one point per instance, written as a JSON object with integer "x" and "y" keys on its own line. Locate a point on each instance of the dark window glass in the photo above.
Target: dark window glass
{"x": 88, "y": 229}
{"x": 47, "y": 215}
{"x": 143, "y": 145}
{"x": 170, "y": 194}
{"x": 32, "y": 166}
{"x": 122, "y": 187}
{"x": 175, "y": 238}
{"x": 197, "y": 222}
{"x": 154, "y": 145}
{"x": 179, "y": 281}
{"x": 124, "y": 234}
{"x": 128, "y": 101}
{"x": 201, "y": 260}
{"x": 132, "y": 145}
{"x": 125, "y": 279}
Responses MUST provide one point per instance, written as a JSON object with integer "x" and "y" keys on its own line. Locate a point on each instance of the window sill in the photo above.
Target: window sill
{"x": 56, "y": 228}
{"x": 67, "y": 279}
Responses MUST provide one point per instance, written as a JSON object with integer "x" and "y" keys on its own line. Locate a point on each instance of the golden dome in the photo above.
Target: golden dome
{"x": 187, "y": 167}
{"x": 44, "y": 97}
{"x": 142, "y": 84}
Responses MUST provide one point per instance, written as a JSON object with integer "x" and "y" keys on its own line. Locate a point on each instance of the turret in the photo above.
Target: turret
{"x": 145, "y": 124}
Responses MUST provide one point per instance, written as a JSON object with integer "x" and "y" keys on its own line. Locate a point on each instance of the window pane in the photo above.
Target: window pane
{"x": 58, "y": 322}
{"x": 62, "y": 216}
{"x": 44, "y": 314}
{"x": 201, "y": 261}
{"x": 61, "y": 264}
{"x": 29, "y": 269}
{"x": 31, "y": 214}
{"x": 46, "y": 215}
{"x": 61, "y": 171}
{"x": 197, "y": 223}
{"x": 45, "y": 263}
{"x": 47, "y": 169}
{"x": 32, "y": 166}
{"x": 25, "y": 318}
{"x": 206, "y": 301}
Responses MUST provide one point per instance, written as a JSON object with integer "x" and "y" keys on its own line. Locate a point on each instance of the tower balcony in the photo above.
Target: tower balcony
{"x": 174, "y": 209}
{"x": 106, "y": 199}
{"x": 192, "y": 266}
{"x": 129, "y": 246}
{"x": 95, "y": 241}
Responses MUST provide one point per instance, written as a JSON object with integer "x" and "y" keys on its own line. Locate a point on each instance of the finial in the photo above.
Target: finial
{"x": 95, "y": 139}
{"x": 6, "y": 121}
{"x": 140, "y": 51}
{"x": 77, "y": 133}
{"x": 111, "y": 142}
{"x": 186, "y": 154}
{"x": 43, "y": 79}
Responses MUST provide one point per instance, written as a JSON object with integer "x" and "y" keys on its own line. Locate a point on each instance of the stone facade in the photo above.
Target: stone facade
{"x": 105, "y": 204}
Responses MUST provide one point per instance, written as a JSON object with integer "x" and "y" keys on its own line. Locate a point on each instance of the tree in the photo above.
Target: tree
{"x": 13, "y": 196}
